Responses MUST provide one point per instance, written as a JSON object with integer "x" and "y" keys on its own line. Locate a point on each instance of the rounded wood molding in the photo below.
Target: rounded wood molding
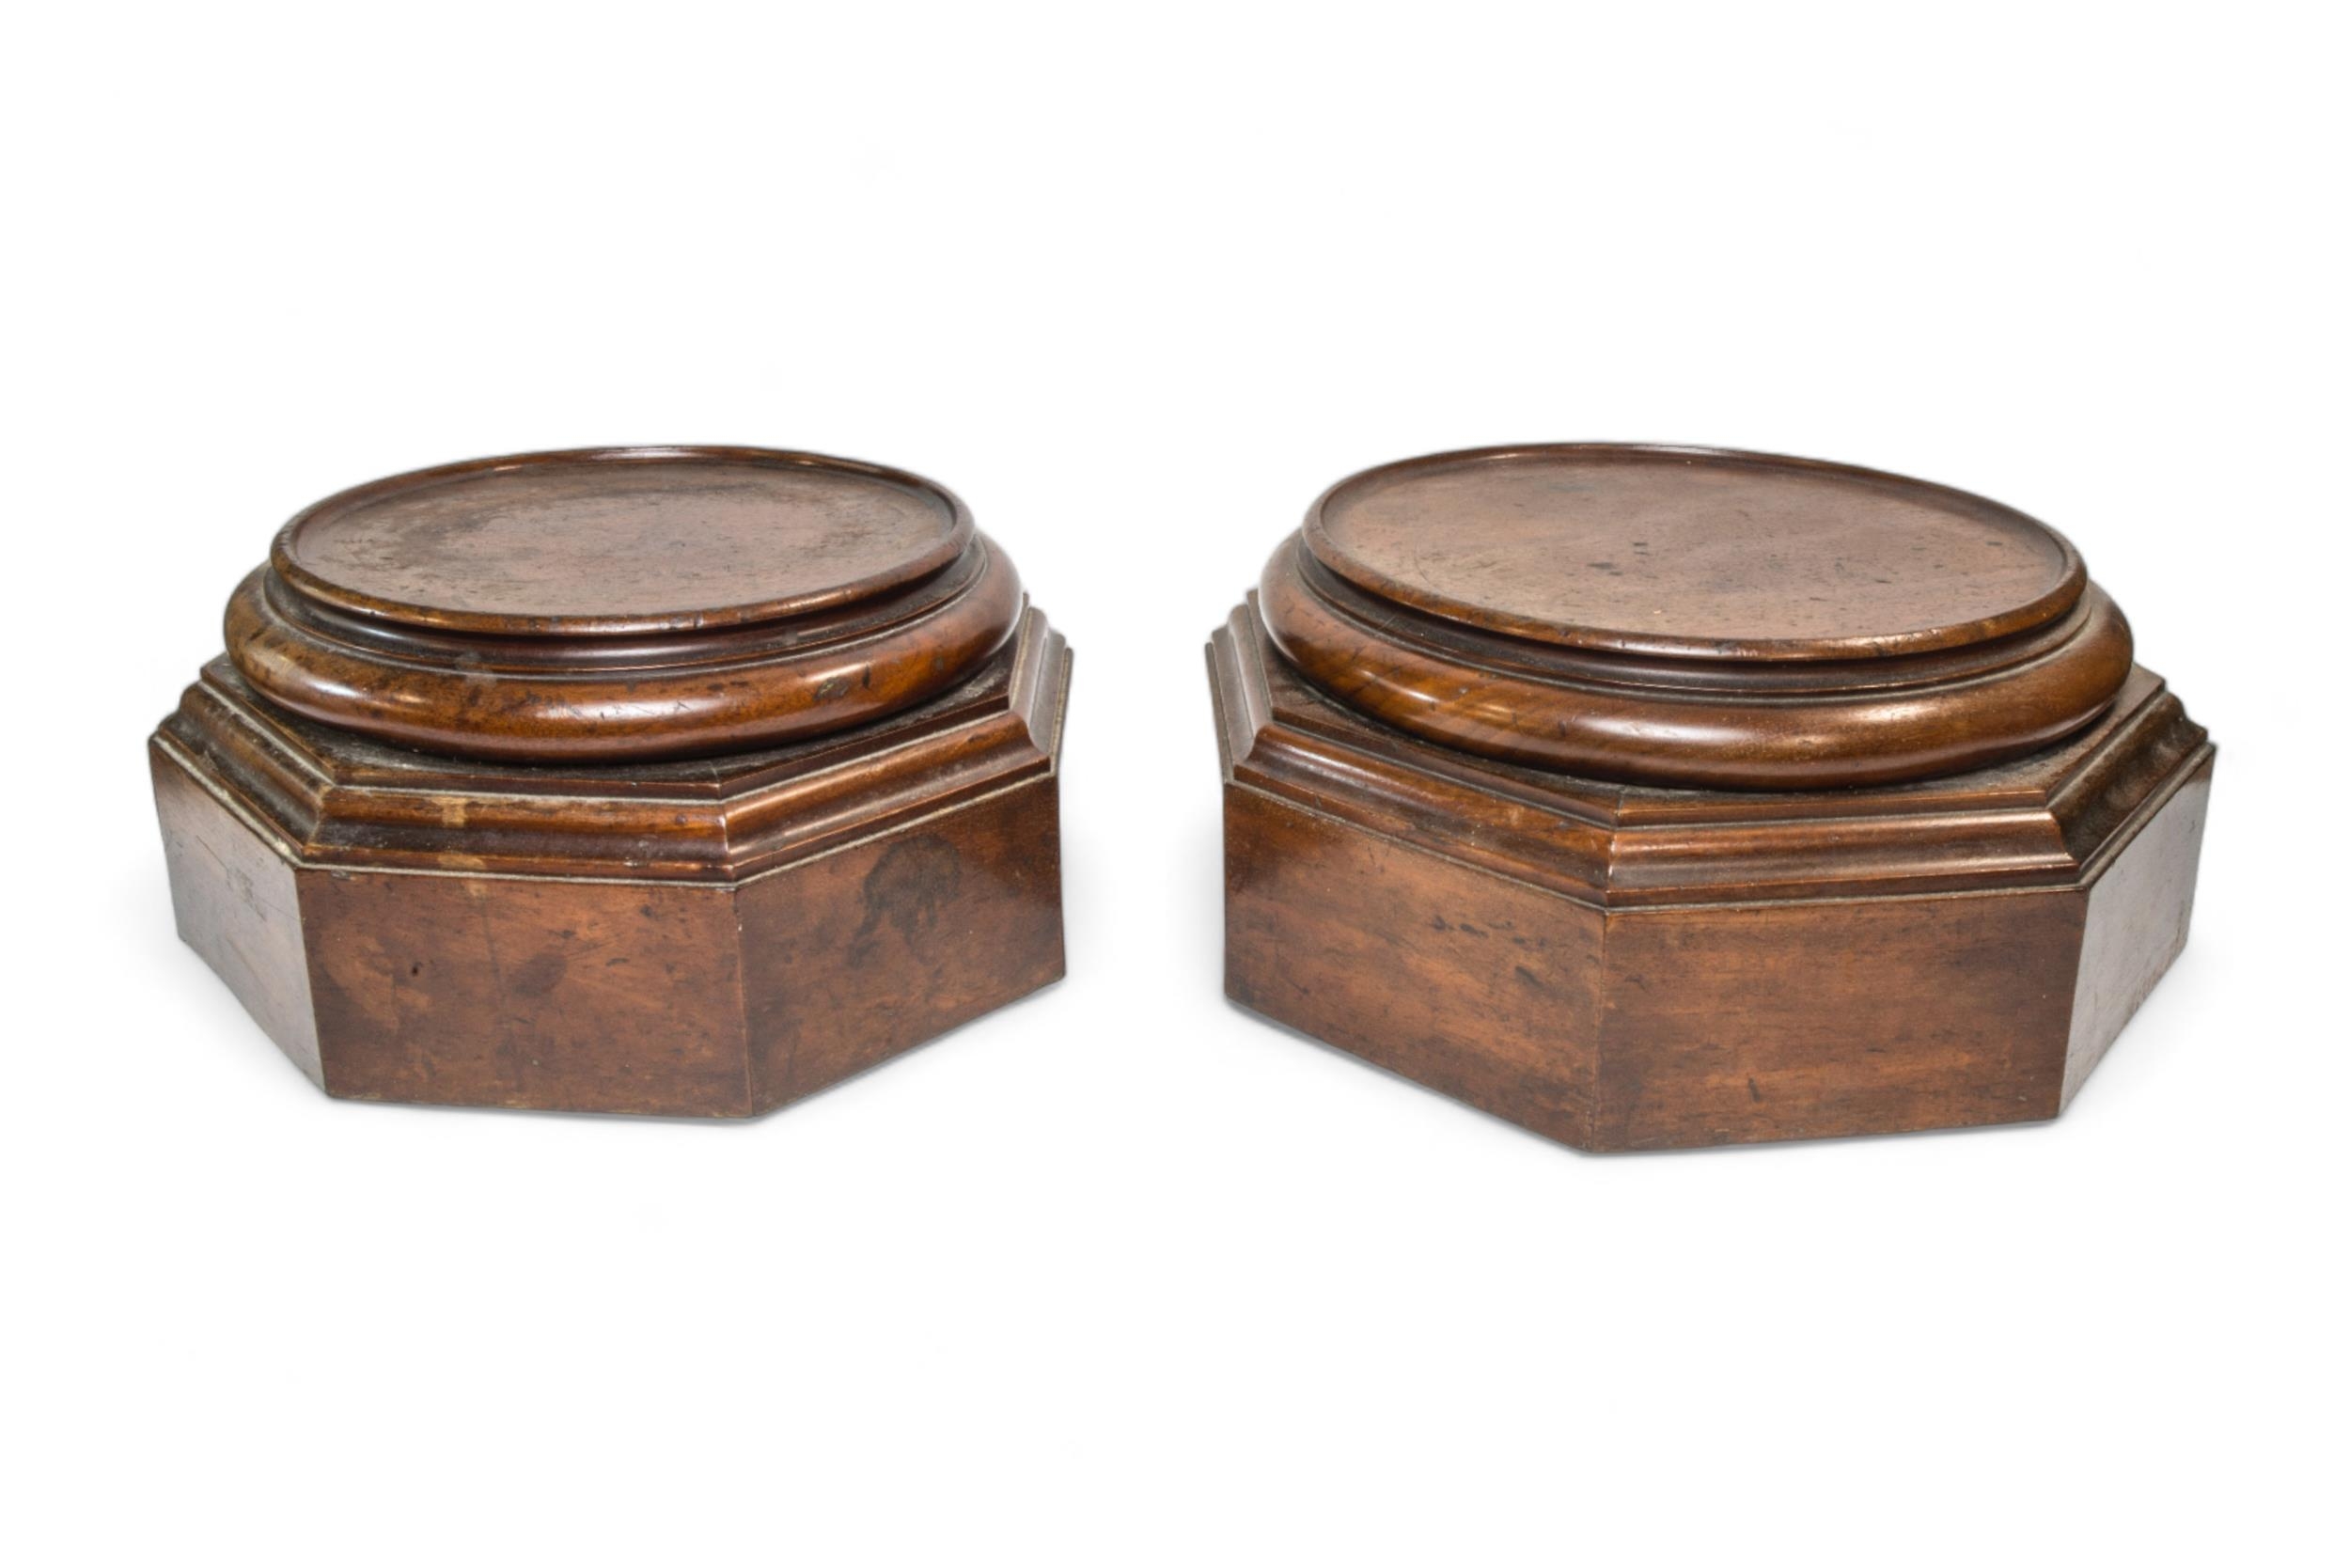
{"x": 617, "y": 604}
{"x": 1691, "y": 617}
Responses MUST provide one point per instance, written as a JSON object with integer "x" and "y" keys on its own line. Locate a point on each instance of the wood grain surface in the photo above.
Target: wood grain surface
{"x": 622, "y": 603}
{"x": 621, "y": 541}
{"x": 675, "y": 781}
{"x": 1771, "y": 623}
{"x": 1693, "y": 552}
{"x": 1894, "y": 856}
{"x": 707, "y": 939}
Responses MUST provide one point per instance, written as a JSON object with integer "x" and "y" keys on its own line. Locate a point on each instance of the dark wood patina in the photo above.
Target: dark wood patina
{"x": 676, "y": 780}
{"x": 1652, "y": 796}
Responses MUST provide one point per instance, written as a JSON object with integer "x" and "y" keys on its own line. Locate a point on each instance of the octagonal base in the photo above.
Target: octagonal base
{"x": 704, "y": 938}
{"x": 1626, "y": 967}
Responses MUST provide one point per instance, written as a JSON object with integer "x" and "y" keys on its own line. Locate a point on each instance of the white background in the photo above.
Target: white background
{"x": 1123, "y": 1275}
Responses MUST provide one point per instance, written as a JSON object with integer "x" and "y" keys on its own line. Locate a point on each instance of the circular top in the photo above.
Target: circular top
{"x": 628, "y": 603}
{"x": 1692, "y": 553}
{"x": 621, "y": 541}
{"x": 1673, "y": 616}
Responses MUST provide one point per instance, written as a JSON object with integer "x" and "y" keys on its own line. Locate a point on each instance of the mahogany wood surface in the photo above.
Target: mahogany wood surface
{"x": 629, "y": 602}
{"x": 601, "y": 924}
{"x": 1677, "y": 946}
{"x": 621, "y": 541}
{"x": 1690, "y": 550}
{"x": 1686, "y": 616}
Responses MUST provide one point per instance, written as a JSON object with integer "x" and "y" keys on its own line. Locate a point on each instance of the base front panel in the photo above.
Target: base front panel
{"x": 1744, "y": 1023}
{"x": 1677, "y": 1026}
{"x": 1480, "y": 987}
{"x": 587, "y": 995}
{"x": 538, "y": 995}
{"x": 876, "y": 949}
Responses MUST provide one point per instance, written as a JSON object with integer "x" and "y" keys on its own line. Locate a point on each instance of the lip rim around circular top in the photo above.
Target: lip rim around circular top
{"x": 2073, "y": 577}
{"x": 283, "y": 557}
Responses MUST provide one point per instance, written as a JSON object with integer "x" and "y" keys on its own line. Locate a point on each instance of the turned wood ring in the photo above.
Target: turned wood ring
{"x": 1694, "y": 617}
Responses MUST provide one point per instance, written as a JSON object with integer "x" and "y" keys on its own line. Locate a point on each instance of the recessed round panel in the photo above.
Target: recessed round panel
{"x": 636, "y": 602}
{"x": 1680, "y": 617}
{"x": 621, "y": 540}
{"x": 1693, "y": 553}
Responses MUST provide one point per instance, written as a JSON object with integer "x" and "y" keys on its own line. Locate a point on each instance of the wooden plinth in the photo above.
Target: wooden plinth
{"x": 743, "y": 777}
{"x": 1651, "y": 797}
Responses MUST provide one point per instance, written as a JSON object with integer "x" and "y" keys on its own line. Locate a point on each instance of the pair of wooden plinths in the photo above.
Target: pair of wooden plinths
{"x": 1646, "y": 797}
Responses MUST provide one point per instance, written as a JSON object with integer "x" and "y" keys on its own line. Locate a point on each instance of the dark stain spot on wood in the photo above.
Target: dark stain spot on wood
{"x": 540, "y": 976}
{"x": 905, "y": 888}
